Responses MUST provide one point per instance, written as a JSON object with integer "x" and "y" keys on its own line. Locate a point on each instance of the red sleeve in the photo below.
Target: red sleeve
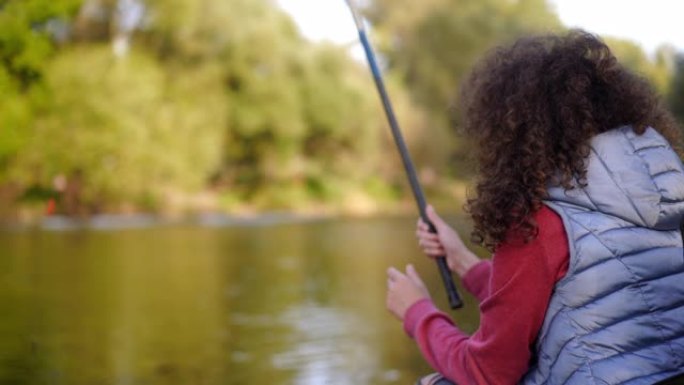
{"x": 476, "y": 280}
{"x": 520, "y": 285}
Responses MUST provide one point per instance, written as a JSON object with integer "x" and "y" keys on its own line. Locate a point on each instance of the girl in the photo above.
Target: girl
{"x": 580, "y": 196}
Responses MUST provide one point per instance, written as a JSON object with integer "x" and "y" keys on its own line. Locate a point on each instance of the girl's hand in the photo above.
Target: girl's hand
{"x": 403, "y": 290}
{"x": 445, "y": 243}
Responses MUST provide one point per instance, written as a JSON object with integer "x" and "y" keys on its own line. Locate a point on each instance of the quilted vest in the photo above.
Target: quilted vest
{"x": 617, "y": 317}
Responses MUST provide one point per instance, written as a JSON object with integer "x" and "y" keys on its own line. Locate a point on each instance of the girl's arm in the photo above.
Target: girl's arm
{"x": 521, "y": 280}
{"x": 476, "y": 280}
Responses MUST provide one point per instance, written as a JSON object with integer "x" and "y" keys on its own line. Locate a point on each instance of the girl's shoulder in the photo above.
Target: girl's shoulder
{"x": 549, "y": 222}
{"x": 549, "y": 248}
{"x": 553, "y": 240}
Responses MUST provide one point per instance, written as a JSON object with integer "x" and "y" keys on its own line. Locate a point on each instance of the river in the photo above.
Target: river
{"x": 217, "y": 302}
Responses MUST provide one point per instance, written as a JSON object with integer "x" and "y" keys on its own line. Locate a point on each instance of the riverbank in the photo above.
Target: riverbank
{"x": 203, "y": 207}
{"x": 208, "y": 209}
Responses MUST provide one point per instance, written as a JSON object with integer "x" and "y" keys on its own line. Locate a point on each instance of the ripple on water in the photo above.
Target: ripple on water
{"x": 328, "y": 347}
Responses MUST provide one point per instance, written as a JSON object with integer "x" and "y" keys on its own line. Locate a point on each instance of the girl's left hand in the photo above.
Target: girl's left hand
{"x": 403, "y": 290}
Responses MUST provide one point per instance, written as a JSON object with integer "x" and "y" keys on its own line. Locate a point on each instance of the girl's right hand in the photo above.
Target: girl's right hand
{"x": 445, "y": 243}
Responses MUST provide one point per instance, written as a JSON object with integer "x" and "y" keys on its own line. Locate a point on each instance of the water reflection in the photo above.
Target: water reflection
{"x": 281, "y": 304}
{"x": 326, "y": 347}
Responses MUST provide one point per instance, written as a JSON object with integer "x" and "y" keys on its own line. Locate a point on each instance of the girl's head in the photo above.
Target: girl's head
{"x": 532, "y": 109}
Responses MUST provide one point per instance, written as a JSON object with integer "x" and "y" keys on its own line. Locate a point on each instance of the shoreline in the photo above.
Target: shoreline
{"x": 203, "y": 210}
{"x": 209, "y": 219}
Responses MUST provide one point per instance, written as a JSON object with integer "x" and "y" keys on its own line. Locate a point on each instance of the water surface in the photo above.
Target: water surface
{"x": 219, "y": 303}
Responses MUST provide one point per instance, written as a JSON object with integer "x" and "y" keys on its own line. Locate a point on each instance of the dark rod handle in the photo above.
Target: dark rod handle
{"x": 454, "y": 299}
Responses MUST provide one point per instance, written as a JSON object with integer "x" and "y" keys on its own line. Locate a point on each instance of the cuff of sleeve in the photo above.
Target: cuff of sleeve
{"x": 415, "y": 313}
{"x": 476, "y": 276}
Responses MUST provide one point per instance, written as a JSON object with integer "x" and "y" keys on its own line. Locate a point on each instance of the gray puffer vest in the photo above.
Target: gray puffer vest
{"x": 617, "y": 317}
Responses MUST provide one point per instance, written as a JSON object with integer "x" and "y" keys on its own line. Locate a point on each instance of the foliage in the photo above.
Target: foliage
{"x": 304, "y": 122}
{"x": 24, "y": 41}
{"x": 432, "y": 45}
{"x": 25, "y": 46}
{"x": 130, "y": 130}
{"x": 676, "y": 94}
{"x": 227, "y": 96}
{"x": 630, "y": 54}
{"x": 222, "y": 94}
{"x": 435, "y": 46}
{"x": 305, "y": 119}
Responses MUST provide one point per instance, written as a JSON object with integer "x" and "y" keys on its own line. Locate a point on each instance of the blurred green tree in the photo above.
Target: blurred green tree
{"x": 676, "y": 91}
{"x": 437, "y": 44}
{"x": 227, "y": 95}
{"x": 303, "y": 120}
{"x": 433, "y": 44}
{"x": 657, "y": 70}
{"x": 222, "y": 94}
{"x": 26, "y": 44}
{"x": 130, "y": 132}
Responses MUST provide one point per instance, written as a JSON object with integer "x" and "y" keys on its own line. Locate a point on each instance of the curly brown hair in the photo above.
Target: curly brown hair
{"x": 531, "y": 109}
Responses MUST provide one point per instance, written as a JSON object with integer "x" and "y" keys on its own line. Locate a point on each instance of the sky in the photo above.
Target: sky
{"x": 648, "y": 23}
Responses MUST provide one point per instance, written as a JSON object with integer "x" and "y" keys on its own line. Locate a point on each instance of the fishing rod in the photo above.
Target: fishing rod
{"x": 452, "y": 294}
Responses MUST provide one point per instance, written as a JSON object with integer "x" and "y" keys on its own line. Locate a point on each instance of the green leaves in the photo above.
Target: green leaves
{"x": 226, "y": 95}
{"x": 432, "y": 44}
{"x": 24, "y": 41}
{"x": 214, "y": 92}
{"x": 676, "y": 92}
{"x": 25, "y": 47}
{"x": 131, "y": 131}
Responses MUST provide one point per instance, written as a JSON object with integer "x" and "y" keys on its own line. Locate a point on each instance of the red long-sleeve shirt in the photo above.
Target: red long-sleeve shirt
{"x": 514, "y": 290}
